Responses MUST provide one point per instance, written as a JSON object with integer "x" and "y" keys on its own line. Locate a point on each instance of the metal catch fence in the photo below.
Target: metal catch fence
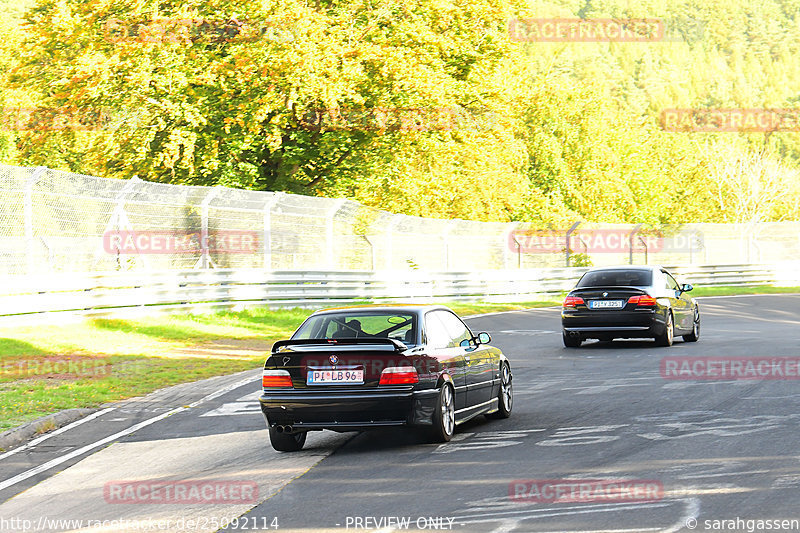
{"x": 60, "y": 222}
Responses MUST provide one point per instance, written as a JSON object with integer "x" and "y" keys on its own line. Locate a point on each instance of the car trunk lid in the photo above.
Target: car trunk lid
{"x": 608, "y": 297}
{"x": 322, "y": 356}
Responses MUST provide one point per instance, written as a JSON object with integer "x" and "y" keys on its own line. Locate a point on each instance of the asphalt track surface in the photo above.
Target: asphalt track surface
{"x": 723, "y": 453}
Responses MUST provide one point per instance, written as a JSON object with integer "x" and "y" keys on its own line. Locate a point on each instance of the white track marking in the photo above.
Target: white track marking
{"x": 692, "y": 511}
{"x": 528, "y": 310}
{"x": 509, "y": 522}
{"x": 746, "y": 295}
{"x": 557, "y": 511}
{"x": 637, "y": 530}
{"x": 506, "y": 527}
{"x": 59, "y": 431}
{"x": 132, "y": 429}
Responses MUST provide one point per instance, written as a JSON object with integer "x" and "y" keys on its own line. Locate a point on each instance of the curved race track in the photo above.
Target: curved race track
{"x": 718, "y": 450}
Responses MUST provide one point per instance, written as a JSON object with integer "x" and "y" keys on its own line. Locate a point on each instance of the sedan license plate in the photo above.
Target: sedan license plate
{"x": 606, "y": 304}
{"x": 335, "y": 376}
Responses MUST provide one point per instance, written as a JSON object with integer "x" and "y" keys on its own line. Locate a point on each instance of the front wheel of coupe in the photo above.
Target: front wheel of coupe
{"x": 505, "y": 398}
{"x": 444, "y": 417}
{"x": 695, "y": 334}
{"x": 287, "y": 442}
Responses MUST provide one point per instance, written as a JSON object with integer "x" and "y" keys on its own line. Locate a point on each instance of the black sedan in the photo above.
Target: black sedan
{"x": 367, "y": 367}
{"x": 629, "y": 302}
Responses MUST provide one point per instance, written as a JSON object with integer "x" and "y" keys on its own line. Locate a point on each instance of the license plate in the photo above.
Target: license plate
{"x": 335, "y": 376}
{"x": 606, "y": 304}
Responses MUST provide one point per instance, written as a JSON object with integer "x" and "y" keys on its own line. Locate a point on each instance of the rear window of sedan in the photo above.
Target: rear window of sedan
{"x": 399, "y": 326}
{"x": 617, "y": 278}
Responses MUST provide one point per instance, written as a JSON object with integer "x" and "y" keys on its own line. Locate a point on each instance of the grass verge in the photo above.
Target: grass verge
{"x": 739, "y": 291}
{"x": 31, "y": 387}
{"x": 45, "y": 369}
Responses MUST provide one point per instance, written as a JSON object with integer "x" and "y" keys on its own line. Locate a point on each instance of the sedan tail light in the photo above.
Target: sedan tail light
{"x": 399, "y": 375}
{"x": 572, "y": 301}
{"x": 643, "y": 300}
{"x": 273, "y": 379}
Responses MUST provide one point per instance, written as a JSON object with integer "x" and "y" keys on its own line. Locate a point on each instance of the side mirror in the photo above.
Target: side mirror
{"x": 686, "y": 287}
{"x": 484, "y": 338}
{"x": 464, "y": 344}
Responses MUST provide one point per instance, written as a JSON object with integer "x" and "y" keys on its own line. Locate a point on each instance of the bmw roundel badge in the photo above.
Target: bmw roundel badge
{"x": 334, "y": 359}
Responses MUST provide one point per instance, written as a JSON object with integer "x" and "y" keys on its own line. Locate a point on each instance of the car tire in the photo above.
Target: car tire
{"x": 695, "y": 334}
{"x": 505, "y": 396}
{"x": 571, "y": 341}
{"x": 444, "y": 416}
{"x": 287, "y": 442}
{"x": 666, "y": 338}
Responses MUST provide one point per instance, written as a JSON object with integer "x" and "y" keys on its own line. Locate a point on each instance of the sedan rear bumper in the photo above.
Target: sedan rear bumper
{"x": 347, "y": 410}
{"x": 618, "y": 324}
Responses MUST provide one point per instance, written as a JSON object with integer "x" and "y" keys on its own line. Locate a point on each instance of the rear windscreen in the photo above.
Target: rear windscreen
{"x": 616, "y": 278}
{"x": 360, "y": 324}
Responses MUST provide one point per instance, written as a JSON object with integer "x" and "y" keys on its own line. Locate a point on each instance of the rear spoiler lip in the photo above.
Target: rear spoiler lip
{"x": 610, "y": 288}
{"x": 397, "y": 345}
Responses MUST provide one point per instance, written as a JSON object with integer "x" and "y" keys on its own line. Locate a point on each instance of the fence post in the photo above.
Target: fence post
{"x": 205, "y": 260}
{"x": 268, "y": 205}
{"x": 696, "y": 238}
{"x": 630, "y": 242}
{"x": 371, "y": 251}
{"x": 446, "y": 244}
{"x": 36, "y": 173}
{"x": 330, "y": 250}
{"x": 507, "y": 237}
{"x": 119, "y": 219}
{"x": 388, "y": 235}
{"x": 566, "y": 239}
{"x": 644, "y": 243}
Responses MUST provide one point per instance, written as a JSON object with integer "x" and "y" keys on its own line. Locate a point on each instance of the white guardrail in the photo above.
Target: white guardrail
{"x": 115, "y": 294}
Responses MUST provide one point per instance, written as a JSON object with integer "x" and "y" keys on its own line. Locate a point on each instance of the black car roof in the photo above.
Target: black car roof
{"x": 408, "y": 308}
{"x": 627, "y": 267}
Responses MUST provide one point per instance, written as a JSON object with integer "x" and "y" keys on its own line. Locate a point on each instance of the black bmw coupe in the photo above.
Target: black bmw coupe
{"x": 366, "y": 367}
{"x": 629, "y": 302}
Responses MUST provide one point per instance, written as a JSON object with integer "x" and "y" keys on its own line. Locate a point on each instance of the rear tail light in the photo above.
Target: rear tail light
{"x": 572, "y": 301}
{"x": 273, "y": 379}
{"x": 399, "y": 375}
{"x": 643, "y": 300}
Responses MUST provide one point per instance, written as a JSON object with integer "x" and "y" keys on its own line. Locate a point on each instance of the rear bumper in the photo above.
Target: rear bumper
{"x": 619, "y": 324}
{"x": 347, "y": 410}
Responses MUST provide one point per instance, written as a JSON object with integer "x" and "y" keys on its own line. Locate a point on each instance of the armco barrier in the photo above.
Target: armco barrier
{"x": 117, "y": 293}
